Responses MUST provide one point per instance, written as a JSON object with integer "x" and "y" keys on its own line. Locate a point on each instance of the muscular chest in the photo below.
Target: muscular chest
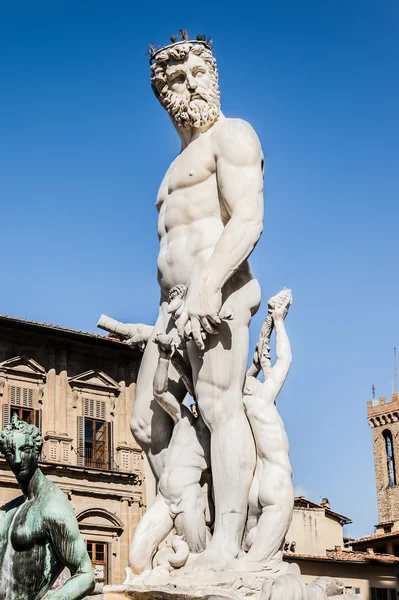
{"x": 188, "y": 176}
{"x": 194, "y": 165}
{"x": 27, "y": 528}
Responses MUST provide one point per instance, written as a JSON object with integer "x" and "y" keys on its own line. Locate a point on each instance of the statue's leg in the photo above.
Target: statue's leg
{"x": 276, "y": 495}
{"x": 153, "y": 527}
{"x": 219, "y": 374}
{"x": 151, "y": 426}
{"x": 254, "y": 508}
{"x": 191, "y": 521}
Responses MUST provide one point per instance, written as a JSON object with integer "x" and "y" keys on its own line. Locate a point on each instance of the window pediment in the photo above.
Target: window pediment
{"x": 94, "y": 380}
{"x": 23, "y": 366}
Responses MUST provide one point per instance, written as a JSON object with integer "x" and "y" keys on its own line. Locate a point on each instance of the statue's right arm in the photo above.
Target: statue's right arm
{"x": 71, "y": 549}
{"x": 280, "y": 370}
{"x": 139, "y": 334}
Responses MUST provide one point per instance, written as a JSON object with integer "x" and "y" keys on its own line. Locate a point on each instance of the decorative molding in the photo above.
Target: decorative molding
{"x": 40, "y": 393}
{"x": 112, "y": 519}
{"x": 76, "y": 396}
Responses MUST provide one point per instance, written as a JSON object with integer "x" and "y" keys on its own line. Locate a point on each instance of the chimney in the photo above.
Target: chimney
{"x": 337, "y": 548}
{"x": 325, "y": 503}
{"x": 370, "y": 550}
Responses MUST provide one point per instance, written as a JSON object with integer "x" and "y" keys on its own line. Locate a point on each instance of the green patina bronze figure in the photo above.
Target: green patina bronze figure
{"x": 39, "y": 533}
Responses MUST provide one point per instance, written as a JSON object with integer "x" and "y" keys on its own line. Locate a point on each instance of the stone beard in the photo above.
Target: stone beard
{"x": 186, "y": 109}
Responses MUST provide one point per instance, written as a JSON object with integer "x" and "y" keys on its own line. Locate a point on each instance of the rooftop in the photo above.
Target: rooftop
{"x": 304, "y": 503}
{"x": 346, "y": 556}
{"x": 376, "y": 536}
{"x": 68, "y": 331}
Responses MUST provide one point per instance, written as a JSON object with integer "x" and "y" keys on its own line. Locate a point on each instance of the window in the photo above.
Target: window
{"x": 390, "y": 458}
{"x": 95, "y": 443}
{"x": 98, "y": 552}
{"x": 23, "y": 414}
{"x": 21, "y": 404}
{"x": 381, "y": 550}
{"x": 96, "y": 451}
{"x": 382, "y": 594}
{"x": 396, "y": 549}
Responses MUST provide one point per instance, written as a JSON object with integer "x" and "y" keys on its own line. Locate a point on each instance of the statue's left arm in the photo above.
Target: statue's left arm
{"x": 71, "y": 550}
{"x": 280, "y": 370}
{"x": 239, "y": 173}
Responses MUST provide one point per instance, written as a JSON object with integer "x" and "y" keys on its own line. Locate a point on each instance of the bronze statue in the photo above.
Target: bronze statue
{"x": 39, "y": 533}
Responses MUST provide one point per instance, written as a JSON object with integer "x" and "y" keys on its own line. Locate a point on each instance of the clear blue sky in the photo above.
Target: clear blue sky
{"x": 84, "y": 146}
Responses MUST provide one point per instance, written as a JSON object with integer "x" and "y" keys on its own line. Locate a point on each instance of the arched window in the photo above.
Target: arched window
{"x": 390, "y": 458}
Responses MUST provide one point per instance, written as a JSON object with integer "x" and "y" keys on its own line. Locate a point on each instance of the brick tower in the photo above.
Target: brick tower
{"x": 383, "y": 418}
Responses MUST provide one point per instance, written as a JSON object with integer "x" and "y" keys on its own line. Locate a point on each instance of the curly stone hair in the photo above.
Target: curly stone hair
{"x": 178, "y": 52}
{"x": 17, "y": 426}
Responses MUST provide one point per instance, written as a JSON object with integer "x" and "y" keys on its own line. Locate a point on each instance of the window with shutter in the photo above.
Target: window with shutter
{"x": 38, "y": 419}
{"x": 21, "y": 396}
{"x": 23, "y": 414}
{"x": 21, "y": 403}
{"x": 95, "y": 435}
{"x": 111, "y": 463}
{"x": 98, "y": 554}
{"x": 95, "y": 443}
{"x": 81, "y": 441}
{"x": 6, "y": 414}
{"x": 95, "y": 409}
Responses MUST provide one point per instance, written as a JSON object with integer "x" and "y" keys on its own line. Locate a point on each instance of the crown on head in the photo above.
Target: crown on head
{"x": 206, "y": 41}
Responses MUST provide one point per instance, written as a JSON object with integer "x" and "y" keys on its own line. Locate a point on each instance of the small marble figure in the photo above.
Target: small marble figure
{"x": 271, "y": 497}
{"x": 180, "y": 500}
{"x": 39, "y": 534}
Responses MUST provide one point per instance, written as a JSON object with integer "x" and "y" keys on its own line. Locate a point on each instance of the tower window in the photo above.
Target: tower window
{"x": 390, "y": 458}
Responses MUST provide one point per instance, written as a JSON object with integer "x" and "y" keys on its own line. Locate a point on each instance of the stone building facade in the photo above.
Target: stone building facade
{"x": 315, "y": 542}
{"x": 315, "y": 528}
{"x": 78, "y": 388}
{"x": 383, "y": 418}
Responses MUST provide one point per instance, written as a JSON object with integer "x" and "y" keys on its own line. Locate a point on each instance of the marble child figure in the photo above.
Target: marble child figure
{"x": 271, "y": 498}
{"x": 39, "y": 534}
{"x": 210, "y": 206}
{"x": 180, "y": 500}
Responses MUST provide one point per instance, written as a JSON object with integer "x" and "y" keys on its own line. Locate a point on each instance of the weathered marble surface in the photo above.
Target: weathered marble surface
{"x": 39, "y": 534}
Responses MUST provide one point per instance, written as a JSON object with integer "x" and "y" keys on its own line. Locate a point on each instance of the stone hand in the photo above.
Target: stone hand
{"x": 138, "y": 335}
{"x": 199, "y": 313}
{"x": 279, "y": 312}
{"x": 279, "y": 305}
{"x": 166, "y": 345}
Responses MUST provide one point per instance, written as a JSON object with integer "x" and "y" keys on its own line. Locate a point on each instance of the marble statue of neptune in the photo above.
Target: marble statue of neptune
{"x": 210, "y": 206}
{"x": 230, "y": 441}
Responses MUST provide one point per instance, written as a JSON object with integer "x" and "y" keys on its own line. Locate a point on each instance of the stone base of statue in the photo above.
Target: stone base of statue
{"x": 269, "y": 584}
